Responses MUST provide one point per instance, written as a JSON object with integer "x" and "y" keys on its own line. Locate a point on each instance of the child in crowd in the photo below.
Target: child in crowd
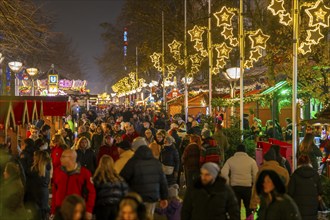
{"x": 173, "y": 210}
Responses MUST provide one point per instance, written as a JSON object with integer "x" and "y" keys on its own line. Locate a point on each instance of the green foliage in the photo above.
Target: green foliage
{"x": 326, "y": 189}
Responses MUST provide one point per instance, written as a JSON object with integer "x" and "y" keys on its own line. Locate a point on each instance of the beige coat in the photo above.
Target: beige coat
{"x": 268, "y": 165}
{"x": 123, "y": 158}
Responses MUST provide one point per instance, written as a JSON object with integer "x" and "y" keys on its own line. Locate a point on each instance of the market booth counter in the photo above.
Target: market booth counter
{"x": 17, "y": 112}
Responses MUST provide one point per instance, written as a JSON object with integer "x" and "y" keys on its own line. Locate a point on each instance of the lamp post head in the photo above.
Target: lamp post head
{"x": 32, "y": 71}
{"x": 15, "y": 66}
{"x": 232, "y": 73}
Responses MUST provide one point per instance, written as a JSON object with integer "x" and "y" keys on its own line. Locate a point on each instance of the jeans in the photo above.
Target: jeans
{"x": 106, "y": 212}
{"x": 243, "y": 193}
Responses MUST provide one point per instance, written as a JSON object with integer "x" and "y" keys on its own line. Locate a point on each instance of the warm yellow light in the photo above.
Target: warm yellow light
{"x": 32, "y": 71}
{"x": 227, "y": 32}
{"x": 223, "y": 50}
{"x": 259, "y": 39}
{"x": 224, "y": 17}
{"x": 319, "y": 14}
{"x": 248, "y": 64}
{"x": 285, "y": 18}
{"x": 196, "y": 33}
{"x": 155, "y": 57}
{"x": 233, "y": 42}
{"x": 255, "y": 54}
{"x": 314, "y": 36}
{"x": 174, "y": 46}
{"x": 196, "y": 60}
{"x": 204, "y": 53}
{"x": 199, "y": 46}
{"x": 221, "y": 63}
{"x": 276, "y": 7}
{"x": 15, "y": 66}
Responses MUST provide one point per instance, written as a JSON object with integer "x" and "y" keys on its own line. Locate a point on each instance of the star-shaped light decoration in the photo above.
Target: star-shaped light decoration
{"x": 174, "y": 46}
{"x": 305, "y": 48}
{"x": 181, "y": 61}
{"x": 285, "y": 18}
{"x": 224, "y": 17}
{"x": 234, "y": 42}
{"x": 196, "y": 33}
{"x": 221, "y": 63}
{"x": 255, "y": 54}
{"x": 155, "y": 57}
{"x": 223, "y": 50}
{"x": 177, "y": 56}
{"x": 194, "y": 69}
{"x": 248, "y": 64}
{"x": 319, "y": 14}
{"x": 215, "y": 70}
{"x": 196, "y": 59}
{"x": 314, "y": 36}
{"x": 199, "y": 46}
{"x": 227, "y": 32}
{"x": 276, "y": 7}
{"x": 204, "y": 53}
{"x": 259, "y": 39}
{"x": 171, "y": 68}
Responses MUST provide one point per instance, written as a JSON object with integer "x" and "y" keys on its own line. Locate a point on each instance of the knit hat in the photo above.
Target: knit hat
{"x": 270, "y": 155}
{"x": 173, "y": 191}
{"x": 206, "y": 133}
{"x": 124, "y": 145}
{"x": 212, "y": 168}
{"x": 138, "y": 142}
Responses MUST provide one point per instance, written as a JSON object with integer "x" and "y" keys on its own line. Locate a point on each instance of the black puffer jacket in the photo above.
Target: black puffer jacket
{"x": 304, "y": 188}
{"x": 87, "y": 159}
{"x": 144, "y": 175}
{"x": 109, "y": 193}
{"x": 169, "y": 156}
{"x": 210, "y": 202}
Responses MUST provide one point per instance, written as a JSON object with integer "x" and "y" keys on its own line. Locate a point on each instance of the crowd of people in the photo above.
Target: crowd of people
{"x": 131, "y": 163}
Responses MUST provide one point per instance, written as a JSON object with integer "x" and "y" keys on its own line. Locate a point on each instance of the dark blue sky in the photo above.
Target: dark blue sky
{"x": 80, "y": 19}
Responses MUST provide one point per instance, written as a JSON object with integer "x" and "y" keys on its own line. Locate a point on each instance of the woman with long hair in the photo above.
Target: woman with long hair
{"x": 57, "y": 147}
{"x": 275, "y": 203}
{"x": 85, "y": 155}
{"x": 38, "y": 180}
{"x": 73, "y": 208}
{"x": 132, "y": 208}
{"x": 190, "y": 159}
{"x": 158, "y": 143}
{"x": 26, "y": 156}
{"x": 308, "y": 147}
{"x": 110, "y": 189}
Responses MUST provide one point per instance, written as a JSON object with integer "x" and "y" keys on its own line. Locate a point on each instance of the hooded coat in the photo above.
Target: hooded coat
{"x": 304, "y": 188}
{"x": 153, "y": 185}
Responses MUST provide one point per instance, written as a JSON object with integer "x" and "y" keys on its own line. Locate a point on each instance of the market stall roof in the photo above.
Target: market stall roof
{"x": 278, "y": 86}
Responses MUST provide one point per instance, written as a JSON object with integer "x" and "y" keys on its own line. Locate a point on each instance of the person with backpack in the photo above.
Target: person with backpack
{"x": 209, "y": 151}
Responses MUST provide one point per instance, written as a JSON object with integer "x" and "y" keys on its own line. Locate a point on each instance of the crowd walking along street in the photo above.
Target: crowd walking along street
{"x": 154, "y": 110}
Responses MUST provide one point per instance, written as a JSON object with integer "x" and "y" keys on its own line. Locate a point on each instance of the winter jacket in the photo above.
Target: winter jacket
{"x": 153, "y": 185}
{"x": 269, "y": 165}
{"x": 56, "y": 153}
{"x": 304, "y": 188}
{"x": 112, "y": 151}
{"x": 209, "y": 152}
{"x": 283, "y": 207}
{"x": 169, "y": 156}
{"x": 123, "y": 158}
{"x": 190, "y": 157}
{"x": 109, "y": 193}
{"x": 240, "y": 170}
{"x": 313, "y": 154}
{"x": 26, "y": 159}
{"x": 96, "y": 142}
{"x": 11, "y": 202}
{"x": 78, "y": 181}
{"x": 87, "y": 159}
{"x": 210, "y": 202}
{"x": 172, "y": 211}
{"x": 130, "y": 137}
{"x": 195, "y": 130}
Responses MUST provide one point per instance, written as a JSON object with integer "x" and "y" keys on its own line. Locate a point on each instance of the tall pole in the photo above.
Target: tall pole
{"x": 241, "y": 63}
{"x": 185, "y": 64}
{"x": 209, "y": 42}
{"x": 295, "y": 80}
{"x": 136, "y": 63}
{"x": 163, "y": 63}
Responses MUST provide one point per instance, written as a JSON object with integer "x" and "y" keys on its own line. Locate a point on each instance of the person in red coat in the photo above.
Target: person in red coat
{"x": 71, "y": 178}
{"x": 108, "y": 149}
{"x": 57, "y": 147}
{"x": 130, "y": 134}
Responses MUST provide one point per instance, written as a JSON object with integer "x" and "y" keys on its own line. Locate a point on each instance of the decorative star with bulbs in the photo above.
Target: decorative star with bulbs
{"x": 227, "y": 32}
{"x": 319, "y": 14}
{"x": 255, "y": 55}
{"x": 174, "y": 46}
{"x": 259, "y": 39}
{"x": 224, "y": 17}
{"x": 196, "y": 59}
{"x": 285, "y": 18}
{"x": 199, "y": 46}
{"x": 171, "y": 68}
{"x": 233, "y": 42}
{"x": 276, "y": 7}
{"x": 223, "y": 50}
{"x": 305, "y": 48}
{"x": 314, "y": 36}
{"x": 177, "y": 56}
{"x": 194, "y": 69}
{"x": 215, "y": 70}
{"x": 221, "y": 63}
{"x": 248, "y": 64}
{"x": 155, "y": 57}
{"x": 204, "y": 53}
{"x": 196, "y": 33}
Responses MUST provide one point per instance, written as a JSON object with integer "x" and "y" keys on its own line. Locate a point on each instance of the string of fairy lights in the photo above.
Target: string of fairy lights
{"x": 318, "y": 20}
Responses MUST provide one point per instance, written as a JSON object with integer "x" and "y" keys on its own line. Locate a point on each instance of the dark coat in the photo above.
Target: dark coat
{"x": 109, "y": 193}
{"x": 153, "y": 185}
{"x": 190, "y": 157}
{"x": 210, "y": 202}
{"x": 87, "y": 159}
{"x": 96, "y": 142}
{"x": 283, "y": 208}
{"x": 304, "y": 188}
{"x": 312, "y": 154}
{"x": 195, "y": 130}
{"x": 169, "y": 156}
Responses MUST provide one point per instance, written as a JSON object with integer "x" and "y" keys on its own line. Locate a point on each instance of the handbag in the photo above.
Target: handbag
{"x": 168, "y": 170}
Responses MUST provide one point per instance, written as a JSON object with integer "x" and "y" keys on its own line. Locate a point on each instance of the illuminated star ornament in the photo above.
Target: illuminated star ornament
{"x": 314, "y": 36}
{"x": 223, "y": 50}
{"x": 233, "y": 42}
{"x": 224, "y": 17}
{"x": 305, "y": 48}
{"x": 319, "y": 14}
{"x": 215, "y": 70}
{"x": 155, "y": 57}
{"x": 199, "y": 46}
{"x": 259, "y": 39}
{"x": 196, "y": 33}
{"x": 171, "y": 69}
{"x": 285, "y": 19}
{"x": 276, "y": 7}
{"x": 221, "y": 63}
{"x": 255, "y": 55}
{"x": 174, "y": 46}
{"x": 248, "y": 64}
{"x": 227, "y": 32}
{"x": 196, "y": 60}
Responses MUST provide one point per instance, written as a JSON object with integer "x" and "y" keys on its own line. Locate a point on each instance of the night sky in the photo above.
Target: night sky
{"x": 79, "y": 20}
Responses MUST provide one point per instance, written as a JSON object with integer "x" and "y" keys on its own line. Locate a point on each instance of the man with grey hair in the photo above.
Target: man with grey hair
{"x": 144, "y": 175}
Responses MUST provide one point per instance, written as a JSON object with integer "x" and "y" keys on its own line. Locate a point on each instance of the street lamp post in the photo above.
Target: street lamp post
{"x": 32, "y": 72}
{"x": 232, "y": 74}
{"x": 15, "y": 67}
{"x": 241, "y": 63}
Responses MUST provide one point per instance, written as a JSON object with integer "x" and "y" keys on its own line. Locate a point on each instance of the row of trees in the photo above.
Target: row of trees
{"x": 26, "y": 35}
{"x": 143, "y": 21}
